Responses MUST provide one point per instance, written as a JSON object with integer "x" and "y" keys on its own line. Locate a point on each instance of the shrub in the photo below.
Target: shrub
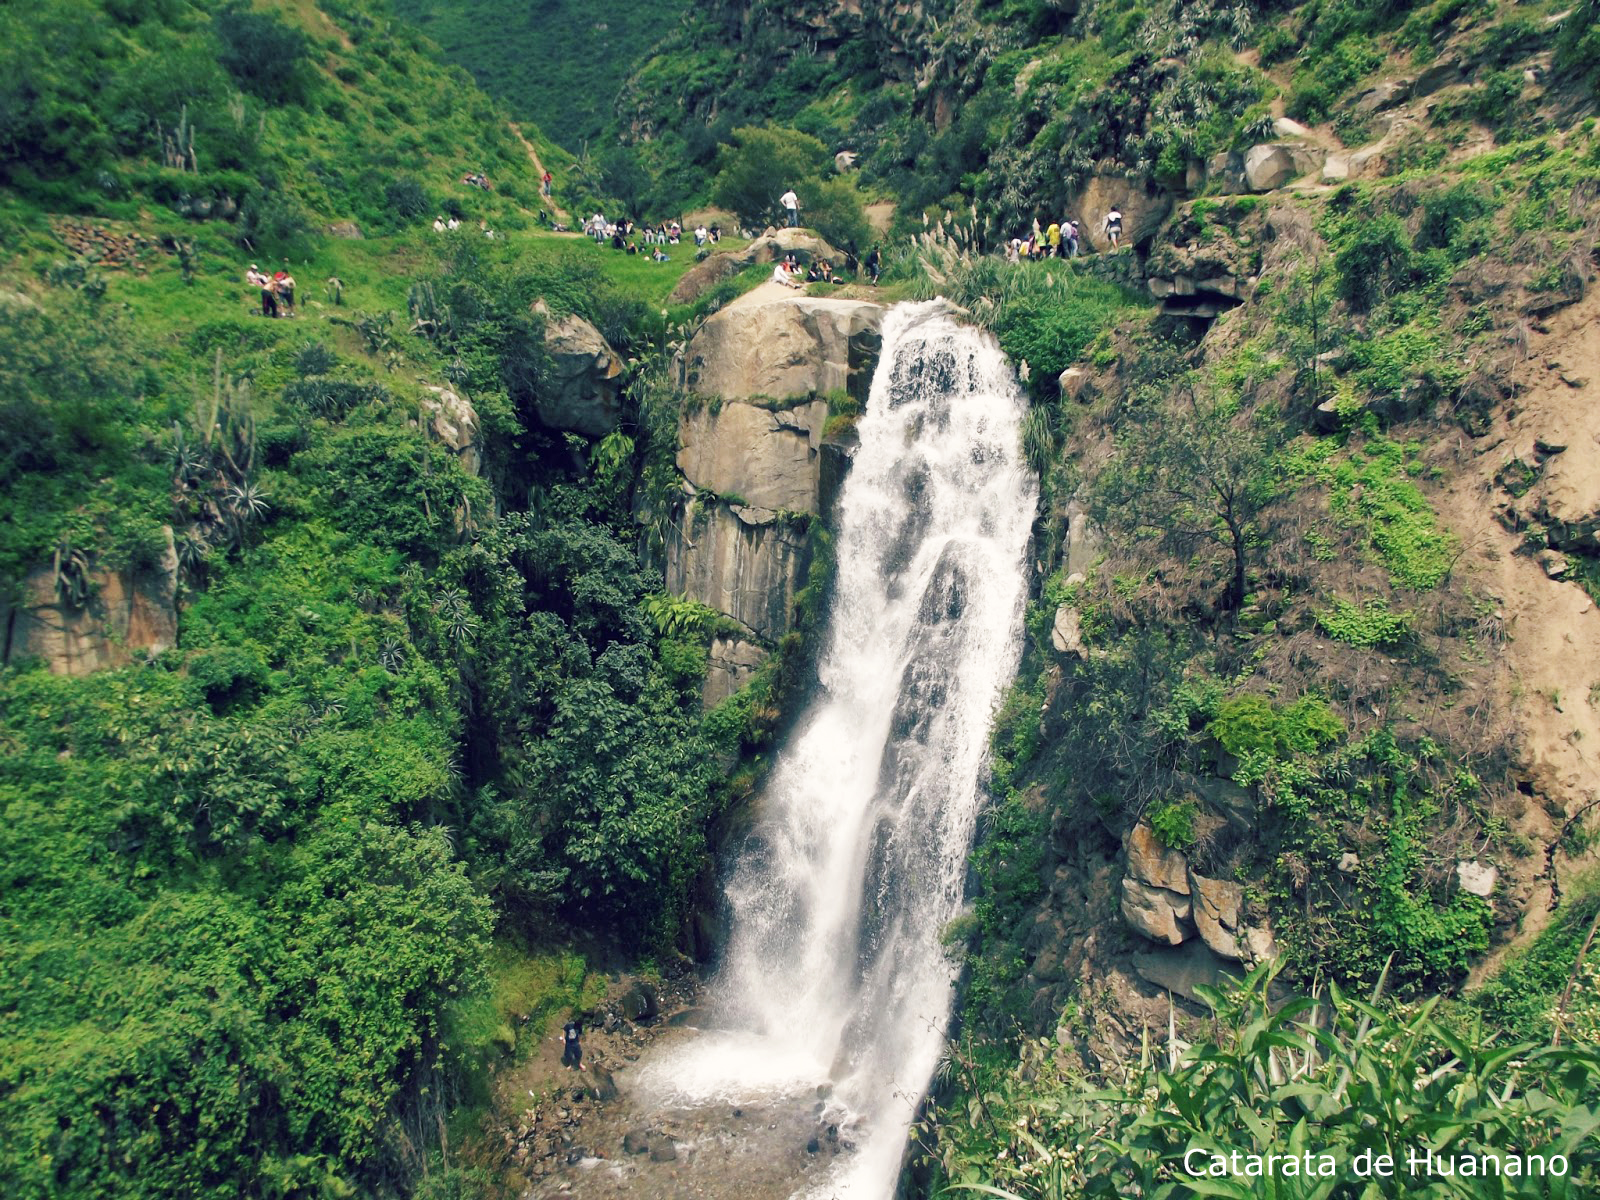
{"x": 265, "y": 56}
{"x": 406, "y": 198}
{"x": 753, "y": 172}
{"x": 1250, "y": 724}
{"x": 1173, "y": 824}
{"x": 1375, "y": 260}
{"x": 1369, "y": 624}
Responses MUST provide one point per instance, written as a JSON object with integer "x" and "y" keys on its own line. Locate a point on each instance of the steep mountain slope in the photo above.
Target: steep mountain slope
{"x": 556, "y": 63}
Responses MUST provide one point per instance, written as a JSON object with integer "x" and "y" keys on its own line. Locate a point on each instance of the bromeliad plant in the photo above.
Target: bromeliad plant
{"x": 1330, "y": 1076}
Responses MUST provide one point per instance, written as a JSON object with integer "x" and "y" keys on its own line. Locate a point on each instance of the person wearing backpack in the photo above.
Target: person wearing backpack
{"x": 1114, "y": 228}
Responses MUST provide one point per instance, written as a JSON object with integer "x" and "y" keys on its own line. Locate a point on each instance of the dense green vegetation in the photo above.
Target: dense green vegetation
{"x": 273, "y": 897}
{"x": 1356, "y": 1093}
{"x": 535, "y": 58}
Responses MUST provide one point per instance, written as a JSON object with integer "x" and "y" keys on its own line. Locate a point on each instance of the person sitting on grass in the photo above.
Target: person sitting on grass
{"x": 659, "y": 255}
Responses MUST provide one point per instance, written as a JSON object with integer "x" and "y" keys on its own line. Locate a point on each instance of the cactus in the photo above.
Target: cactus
{"x": 428, "y": 317}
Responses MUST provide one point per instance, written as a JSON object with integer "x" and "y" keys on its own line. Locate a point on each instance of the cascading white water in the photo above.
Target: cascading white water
{"x": 834, "y": 973}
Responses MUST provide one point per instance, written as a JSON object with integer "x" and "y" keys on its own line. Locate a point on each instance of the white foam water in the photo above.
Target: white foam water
{"x": 834, "y": 981}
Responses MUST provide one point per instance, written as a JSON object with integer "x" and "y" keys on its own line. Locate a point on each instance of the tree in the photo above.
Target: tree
{"x": 760, "y": 164}
{"x": 262, "y": 53}
{"x": 1189, "y": 473}
{"x": 835, "y": 211}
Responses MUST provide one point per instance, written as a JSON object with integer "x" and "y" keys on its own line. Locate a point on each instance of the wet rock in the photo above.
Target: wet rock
{"x": 636, "y": 1141}
{"x": 600, "y": 1087}
{"x": 662, "y": 1149}
{"x": 641, "y": 1002}
{"x": 813, "y": 1146}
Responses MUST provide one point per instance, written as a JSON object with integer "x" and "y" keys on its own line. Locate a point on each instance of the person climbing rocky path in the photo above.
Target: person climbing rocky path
{"x": 556, "y": 211}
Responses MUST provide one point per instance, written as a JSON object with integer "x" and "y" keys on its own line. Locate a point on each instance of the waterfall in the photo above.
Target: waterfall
{"x": 835, "y": 981}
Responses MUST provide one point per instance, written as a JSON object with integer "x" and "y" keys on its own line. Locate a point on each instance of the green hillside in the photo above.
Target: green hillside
{"x": 555, "y": 63}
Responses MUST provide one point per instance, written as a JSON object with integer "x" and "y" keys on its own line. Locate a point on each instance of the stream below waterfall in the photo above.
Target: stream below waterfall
{"x": 825, "y": 1019}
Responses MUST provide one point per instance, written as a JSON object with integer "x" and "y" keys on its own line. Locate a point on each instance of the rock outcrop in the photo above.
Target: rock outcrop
{"x": 757, "y": 466}
{"x": 1143, "y": 210}
{"x": 1202, "y": 265}
{"x": 731, "y": 664}
{"x": 583, "y": 391}
{"x": 1264, "y": 167}
{"x": 765, "y": 458}
{"x": 1167, "y": 901}
{"x": 704, "y": 276}
{"x": 745, "y": 563}
{"x": 454, "y": 422}
{"x": 793, "y": 347}
{"x": 126, "y": 612}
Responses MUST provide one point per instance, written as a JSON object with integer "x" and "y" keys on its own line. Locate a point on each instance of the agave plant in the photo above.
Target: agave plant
{"x": 70, "y": 567}
{"x": 1342, "y": 1080}
{"x": 246, "y": 503}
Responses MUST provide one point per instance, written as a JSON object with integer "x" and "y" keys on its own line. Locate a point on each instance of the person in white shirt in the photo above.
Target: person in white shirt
{"x": 791, "y": 202}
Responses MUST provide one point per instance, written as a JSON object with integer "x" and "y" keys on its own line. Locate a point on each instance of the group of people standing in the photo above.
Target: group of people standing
{"x": 277, "y": 290}
{"x": 1061, "y": 239}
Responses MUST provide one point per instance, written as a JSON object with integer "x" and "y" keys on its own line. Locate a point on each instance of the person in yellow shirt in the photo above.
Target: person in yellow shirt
{"x": 1053, "y": 236}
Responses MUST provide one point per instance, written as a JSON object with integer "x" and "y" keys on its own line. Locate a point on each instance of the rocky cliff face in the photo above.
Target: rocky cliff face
{"x": 756, "y": 463}
{"x": 124, "y": 612}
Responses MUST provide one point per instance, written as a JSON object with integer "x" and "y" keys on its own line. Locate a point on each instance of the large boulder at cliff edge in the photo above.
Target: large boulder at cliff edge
{"x": 583, "y": 390}
{"x": 800, "y": 346}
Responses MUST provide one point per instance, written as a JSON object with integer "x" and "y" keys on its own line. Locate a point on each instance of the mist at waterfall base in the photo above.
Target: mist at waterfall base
{"x": 834, "y": 982}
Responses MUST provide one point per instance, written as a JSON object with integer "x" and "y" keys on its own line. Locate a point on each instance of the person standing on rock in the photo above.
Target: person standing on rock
{"x": 1114, "y": 228}
{"x": 1070, "y": 233}
{"x": 874, "y": 266}
{"x": 571, "y": 1046}
{"x": 792, "y": 203}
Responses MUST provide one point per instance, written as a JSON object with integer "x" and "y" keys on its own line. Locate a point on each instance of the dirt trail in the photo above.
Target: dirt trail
{"x": 556, "y": 210}
{"x": 1551, "y": 663}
